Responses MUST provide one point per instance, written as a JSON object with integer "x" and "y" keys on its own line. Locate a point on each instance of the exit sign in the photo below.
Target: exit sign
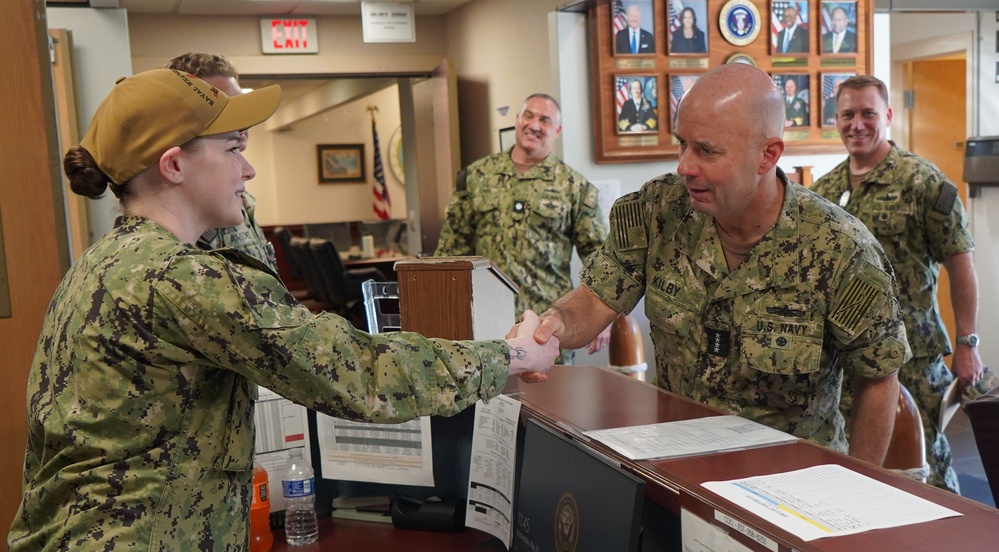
{"x": 289, "y": 36}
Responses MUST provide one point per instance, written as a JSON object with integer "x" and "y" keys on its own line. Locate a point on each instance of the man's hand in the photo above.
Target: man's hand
{"x": 966, "y": 366}
{"x": 601, "y": 341}
{"x": 530, "y": 359}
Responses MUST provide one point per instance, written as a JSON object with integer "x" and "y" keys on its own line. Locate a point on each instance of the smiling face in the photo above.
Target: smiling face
{"x": 538, "y": 124}
{"x": 687, "y": 18}
{"x": 634, "y": 17}
{"x": 838, "y": 20}
{"x": 790, "y": 16}
{"x": 216, "y": 179}
{"x": 862, "y": 118}
{"x": 636, "y": 91}
{"x": 790, "y": 88}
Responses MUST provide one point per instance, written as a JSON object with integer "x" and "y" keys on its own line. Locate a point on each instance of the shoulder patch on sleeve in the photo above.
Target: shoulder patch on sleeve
{"x": 628, "y": 225}
{"x": 855, "y": 305}
{"x": 945, "y": 201}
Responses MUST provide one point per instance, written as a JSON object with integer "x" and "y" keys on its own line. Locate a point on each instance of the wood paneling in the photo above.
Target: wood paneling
{"x": 32, "y": 207}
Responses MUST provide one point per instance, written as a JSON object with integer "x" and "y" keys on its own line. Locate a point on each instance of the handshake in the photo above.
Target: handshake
{"x": 530, "y": 359}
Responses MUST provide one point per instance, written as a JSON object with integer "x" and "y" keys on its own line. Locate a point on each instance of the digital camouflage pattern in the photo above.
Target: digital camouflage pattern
{"x": 525, "y": 224}
{"x": 141, "y": 391}
{"x": 247, "y": 237}
{"x": 772, "y": 340}
{"x": 913, "y": 210}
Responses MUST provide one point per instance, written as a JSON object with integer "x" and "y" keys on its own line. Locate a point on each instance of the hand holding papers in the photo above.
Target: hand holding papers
{"x": 689, "y": 437}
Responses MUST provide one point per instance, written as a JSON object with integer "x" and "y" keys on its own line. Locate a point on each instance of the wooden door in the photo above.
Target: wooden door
{"x": 937, "y": 127}
{"x": 36, "y": 253}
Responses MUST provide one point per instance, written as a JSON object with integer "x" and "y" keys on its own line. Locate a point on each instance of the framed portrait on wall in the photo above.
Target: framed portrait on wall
{"x": 340, "y": 163}
{"x": 830, "y": 85}
{"x": 789, "y": 28}
{"x": 633, "y": 28}
{"x": 795, "y": 90}
{"x": 637, "y": 96}
{"x": 637, "y": 112}
{"x": 678, "y": 86}
{"x": 839, "y": 28}
{"x": 688, "y": 27}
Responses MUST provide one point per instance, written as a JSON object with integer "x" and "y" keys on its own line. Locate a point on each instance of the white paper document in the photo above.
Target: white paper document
{"x": 491, "y": 473}
{"x": 949, "y": 404}
{"x": 396, "y": 454}
{"x": 689, "y": 437}
{"x": 699, "y": 535}
{"x": 827, "y": 501}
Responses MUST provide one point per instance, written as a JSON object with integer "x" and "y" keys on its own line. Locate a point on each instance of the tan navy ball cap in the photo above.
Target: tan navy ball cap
{"x": 150, "y": 112}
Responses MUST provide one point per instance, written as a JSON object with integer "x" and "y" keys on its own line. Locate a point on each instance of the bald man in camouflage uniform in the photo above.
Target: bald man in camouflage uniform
{"x": 913, "y": 210}
{"x": 524, "y": 209}
{"x": 762, "y": 297}
{"x": 247, "y": 237}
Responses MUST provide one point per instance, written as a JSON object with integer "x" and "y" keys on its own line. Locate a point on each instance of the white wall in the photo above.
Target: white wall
{"x": 100, "y": 57}
{"x": 290, "y": 156}
{"x": 912, "y": 28}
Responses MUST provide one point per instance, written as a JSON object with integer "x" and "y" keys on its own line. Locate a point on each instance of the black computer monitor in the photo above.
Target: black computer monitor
{"x": 571, "y": 498}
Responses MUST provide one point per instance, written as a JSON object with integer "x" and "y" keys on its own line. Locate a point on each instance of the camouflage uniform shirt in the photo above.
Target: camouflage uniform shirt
{"x": 914, "y": 211}
{"x": 247, "y": 237}
{"x": 140, "y": 393}
{"x": 525, "y": 224}
{"x": 773, "y": 339}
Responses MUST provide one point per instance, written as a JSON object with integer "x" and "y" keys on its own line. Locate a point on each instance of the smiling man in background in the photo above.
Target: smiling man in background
{"x": 524, "y": 209}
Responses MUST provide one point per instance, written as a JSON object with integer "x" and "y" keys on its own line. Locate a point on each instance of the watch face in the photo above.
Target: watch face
{"x": 970, "y": 340}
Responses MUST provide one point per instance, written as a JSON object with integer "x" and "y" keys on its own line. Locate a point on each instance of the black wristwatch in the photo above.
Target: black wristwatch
{"x": 971, "y": 340}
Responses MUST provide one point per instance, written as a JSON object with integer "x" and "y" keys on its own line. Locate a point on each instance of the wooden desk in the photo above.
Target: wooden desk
{"x": 580, "y": 398}
{"x": 341, "y": 535}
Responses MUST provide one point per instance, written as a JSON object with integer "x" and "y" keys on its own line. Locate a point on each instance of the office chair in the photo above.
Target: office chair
{"x": 907, "y": 448}
{"x": 983, "y": 413}
{"x": 284, "y": 236}
{"x": 310, "y": 269}
{"x": 343, "y": 286}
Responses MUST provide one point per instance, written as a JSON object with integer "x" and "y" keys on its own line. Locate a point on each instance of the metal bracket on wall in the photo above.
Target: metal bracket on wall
{"x": 4, "y": 283}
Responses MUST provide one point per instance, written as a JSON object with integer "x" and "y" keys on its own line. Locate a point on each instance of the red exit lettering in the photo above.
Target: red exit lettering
{"x": 290, "y": 34}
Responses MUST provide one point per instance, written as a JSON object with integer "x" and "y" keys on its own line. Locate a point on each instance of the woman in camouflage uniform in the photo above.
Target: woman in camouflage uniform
{"x": 141, "y": 390}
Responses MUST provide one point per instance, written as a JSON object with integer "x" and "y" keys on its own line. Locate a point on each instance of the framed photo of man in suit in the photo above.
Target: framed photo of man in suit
{"x": 636, "y": 100}
{"x": 633, "y": 28}
{"x": 789, "y": 28}
{"x": 839, "y": 28}
{"x": 830, "y": 85}
{"x": 688, "y": 27}
{"x": 678, "y": 86}
{"x": 795, "y": 91}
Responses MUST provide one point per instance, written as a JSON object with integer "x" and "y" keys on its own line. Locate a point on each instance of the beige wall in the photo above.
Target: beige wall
{"x": 502, "y": 50}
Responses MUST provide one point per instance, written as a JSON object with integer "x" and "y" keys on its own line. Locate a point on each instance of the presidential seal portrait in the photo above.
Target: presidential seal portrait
{"x": 739, "y": 22}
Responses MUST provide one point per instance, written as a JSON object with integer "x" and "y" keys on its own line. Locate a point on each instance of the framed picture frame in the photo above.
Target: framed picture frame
{"x": 636, "y": 104}
{"x": 839, "y": 28}
{"x": 507, "y": 138}
{"x": 796, "y": 92}
{"x": 830, "y": 84}
{"x": 789, "y": 28}
{"x": 633, "y": 28}
{"x": 678, "y": 86}
{"x": 340, "y": 163}
{"x": 689, "y": 28}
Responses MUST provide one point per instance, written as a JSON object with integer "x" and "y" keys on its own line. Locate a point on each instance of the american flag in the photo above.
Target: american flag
{"x": 677, "y": 90}
{"x": 829, "y": 83}
{"x": 621, "y": 93}
{"x": 777, "y": 18}
{"x": 382, "y": 204}
{"x": 675, "y": 7}
{"x": 618, "y": 18}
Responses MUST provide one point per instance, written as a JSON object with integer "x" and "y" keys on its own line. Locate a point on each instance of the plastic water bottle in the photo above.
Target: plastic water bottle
{"x": 299, "y": 486}
{"x": 261, "y": 537}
